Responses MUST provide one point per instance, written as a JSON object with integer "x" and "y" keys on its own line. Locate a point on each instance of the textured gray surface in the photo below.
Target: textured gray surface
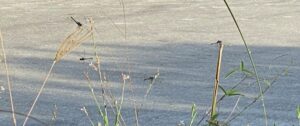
{"x": 171, "y": 35}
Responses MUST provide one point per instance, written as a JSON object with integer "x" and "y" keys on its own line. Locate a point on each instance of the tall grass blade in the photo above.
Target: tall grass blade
{"x": 252, "y": 63}
{"x": 193, "y": 114}
{"x": 231, "y": 72}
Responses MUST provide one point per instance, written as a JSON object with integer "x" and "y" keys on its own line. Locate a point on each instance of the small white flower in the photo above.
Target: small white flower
{"x": 2, "y": 88}
{"x": 125, "y": 77}
{"x": 181, "y": 123}
{"x": 83, "y": 109}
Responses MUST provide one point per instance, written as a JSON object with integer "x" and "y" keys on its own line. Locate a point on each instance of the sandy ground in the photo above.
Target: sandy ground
{"x": 172, "y": 35}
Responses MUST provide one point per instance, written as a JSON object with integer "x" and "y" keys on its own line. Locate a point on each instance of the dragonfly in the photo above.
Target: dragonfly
{"x": 151, "y": 80}
{"x": 83, "y": 58}
{"x": 90, "y": 60}
{"x": 77, "y": 22}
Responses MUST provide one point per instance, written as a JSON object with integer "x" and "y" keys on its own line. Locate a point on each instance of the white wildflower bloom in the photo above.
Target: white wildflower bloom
{"x": 2, "y": 88}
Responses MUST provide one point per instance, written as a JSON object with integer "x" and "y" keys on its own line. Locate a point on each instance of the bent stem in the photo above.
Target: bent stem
{"x": 252, "y": 63}
{"x": 40, "y": 92}
{"x": 22, "y": 114}
{"x": 8, "y": 82}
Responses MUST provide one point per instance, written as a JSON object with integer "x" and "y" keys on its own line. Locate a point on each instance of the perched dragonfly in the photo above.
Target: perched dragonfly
{"x": 151, "y": 82}
{"x": 90, "y": 60}
{"x": 82, "y": 58}
{"x": 218, "y": 42}
{"x": 152, "y": 78}
{"x": 77, "y": 22}
{"x": 85, "y": 58}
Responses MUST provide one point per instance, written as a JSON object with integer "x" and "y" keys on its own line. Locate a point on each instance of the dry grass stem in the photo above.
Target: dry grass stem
{"x": 71, "y": 42}
{"x": 217, "y": 79}
{"x": 8, "y": 82}
{"x": 38, "y": 95}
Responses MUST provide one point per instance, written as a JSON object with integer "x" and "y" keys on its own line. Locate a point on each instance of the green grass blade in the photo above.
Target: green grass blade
{"x": 248, "y": 72}
{"x": 242, "y": 66}
{"x": 252, "y": 63}
{"x": 298, "y": 112}
{"x": 233, "y": 71}
{"x": 232, "y": 92}
{"x": 224, "y": 91}
{"x": 193, "y": 114}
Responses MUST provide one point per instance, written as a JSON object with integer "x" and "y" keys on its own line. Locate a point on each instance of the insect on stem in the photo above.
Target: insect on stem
{"x": 77, "y": 22}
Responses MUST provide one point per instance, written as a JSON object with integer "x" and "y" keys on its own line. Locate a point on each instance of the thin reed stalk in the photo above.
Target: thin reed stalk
{"x": 206, "y": 114}
{"x": 87, "y": 115}
{"x": 233, "y": 109}
{"x": 149, "y": 88}
{"x": 252, "y": 63}
{"x": 39, "y": 93}
{"x": 136, "y": 114}
{"x": 119, "y": 108}
{"x": 101, "y": 78}
{"x": 104, "y": 115}
{"x": 8, "y": 82}
{"x": 98, "y": 62}
{"x": 217, "y": 80}
{"x": 124, "y": 18}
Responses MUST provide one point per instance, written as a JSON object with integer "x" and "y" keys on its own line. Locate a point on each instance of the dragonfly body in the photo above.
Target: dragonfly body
{"x": 85, "y": 58}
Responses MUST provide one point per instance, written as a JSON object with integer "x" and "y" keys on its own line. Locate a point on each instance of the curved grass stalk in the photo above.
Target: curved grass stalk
{"x": 252, "y": 63}
{"x": 22, "y": 114}
{"x": 72, "y": 41}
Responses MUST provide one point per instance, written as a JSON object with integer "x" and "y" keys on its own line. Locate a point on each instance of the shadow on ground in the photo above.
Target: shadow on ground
{"x": 186, "y": 77}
